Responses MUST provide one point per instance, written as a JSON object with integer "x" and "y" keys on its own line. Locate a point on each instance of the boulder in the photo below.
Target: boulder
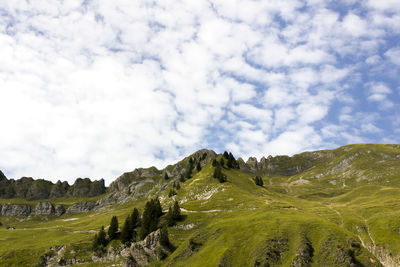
{"x": 16, "y": 210}
{"x": 82, "y": 207}
{"x": 44, "y": 208}
{"x": 59, "y": 210}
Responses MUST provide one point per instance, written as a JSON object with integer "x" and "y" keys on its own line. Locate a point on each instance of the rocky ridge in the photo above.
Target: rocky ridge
{"x": 42, "y": 208}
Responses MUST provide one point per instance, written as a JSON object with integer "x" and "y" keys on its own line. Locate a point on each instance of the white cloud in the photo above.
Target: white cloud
{"x": 99, "y": 88}
{"x": 394, "y": 55}
{"x": 379, "y": 92}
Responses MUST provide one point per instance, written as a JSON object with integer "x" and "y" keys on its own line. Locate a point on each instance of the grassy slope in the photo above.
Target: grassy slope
{"x": 234, "y": 222}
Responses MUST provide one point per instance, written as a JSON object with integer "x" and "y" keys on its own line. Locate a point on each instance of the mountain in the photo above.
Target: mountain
{"x": 336, "y": 207}
{"x": 30, "y": 189}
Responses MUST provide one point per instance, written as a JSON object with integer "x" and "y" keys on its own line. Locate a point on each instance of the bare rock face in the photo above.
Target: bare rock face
{"x": 44, "y": 208}
{"x": 59, "y": 189}
{"x": 82, "y": 207}
{"x": 252, "y": 163}
{"x": 59, "y": 210}
{"x": 143, "y": 252}
{"x": 16, "y": 210}
{"x": 242, "y": 164}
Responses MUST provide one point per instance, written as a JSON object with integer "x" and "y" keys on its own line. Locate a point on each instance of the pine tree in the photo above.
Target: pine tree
{"x": 171, "y": 193}
{"x": 198, "y": 166}
{"x": 219, "y": 175}
{"x": 166, "y": 177}
{"x": 178, "y": 186}
{"x": 126, "y": 232}
{"x": 164, "y": 240}
{"x": 221, "y": 162}
{"x": 169, "y": 218}
{"x": 151, "y": 214}
{"x": 157, "y": 206}
{"x": 135, "y": 218}
{"x": 214, "y": 163}
{"x": 101, "y": 237}
{"x": 226, "y": 155}
{"x": 258, "y": 181}
{"x": 188, "y": 173}
{"x": 176, "y": 211}
{"x": 113, "y": 229}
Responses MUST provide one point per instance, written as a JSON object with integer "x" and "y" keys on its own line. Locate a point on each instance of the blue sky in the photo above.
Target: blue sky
{"x": 97, "y": 88}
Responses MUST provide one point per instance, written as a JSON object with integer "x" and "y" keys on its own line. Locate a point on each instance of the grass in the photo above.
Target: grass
{"x": 237, "y": 223}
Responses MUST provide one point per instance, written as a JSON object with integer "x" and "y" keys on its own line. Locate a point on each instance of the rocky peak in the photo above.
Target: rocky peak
{"x": 252, "y": 163}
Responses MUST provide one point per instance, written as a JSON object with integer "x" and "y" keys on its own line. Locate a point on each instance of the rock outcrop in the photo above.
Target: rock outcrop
{"x": 59, "y": 210}
{"x": 16, "y": 210}
{"x": 143, "y": 252}
{"x": 44, "y": 208}
{"x": 82, "y": 207}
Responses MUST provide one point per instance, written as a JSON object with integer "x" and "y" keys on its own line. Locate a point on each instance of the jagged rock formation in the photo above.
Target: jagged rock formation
{"x": 30, "y": 189}
{"x": 143, "y": 252}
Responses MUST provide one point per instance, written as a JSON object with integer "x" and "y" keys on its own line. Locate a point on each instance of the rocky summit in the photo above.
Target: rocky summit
{"x": 335, "y": 207}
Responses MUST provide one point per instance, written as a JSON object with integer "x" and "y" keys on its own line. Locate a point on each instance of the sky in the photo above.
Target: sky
{"x": 96, "y": 88}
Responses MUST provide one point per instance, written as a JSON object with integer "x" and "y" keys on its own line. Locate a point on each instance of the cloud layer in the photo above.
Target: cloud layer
{"x": 95, "y": 88}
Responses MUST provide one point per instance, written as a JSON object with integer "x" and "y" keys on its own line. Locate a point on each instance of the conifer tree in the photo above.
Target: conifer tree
{"x": 164, "y": 240}
{"x": 166, "y": 177}
{"x": 221, "y": 162}
{"x": 157, "y": 206}
{"x": 178, "y": 186}
{"x": 171, "y": 193}
{"x": 113, "y": 229}
{"x": 126, "y": 232}
{"x": 258, "y": 181}
{"x": 198, "y": 166}
{"x": 176, "y": 211}
{"x": 169, "y": 218}
{"x": 151, "y": 214}
{"x": 101, "y": 237}
{"x": 135, "y": 218}
{"x": 214, "y": 163}
{"x": 226, "y": 155}
{"x": 219, "y": 175}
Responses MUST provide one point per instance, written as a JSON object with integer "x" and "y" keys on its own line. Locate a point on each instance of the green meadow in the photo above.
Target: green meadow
{"x": 342, "y": 211}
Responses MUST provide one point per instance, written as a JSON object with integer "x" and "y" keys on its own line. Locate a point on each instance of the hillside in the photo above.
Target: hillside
{"x": 336, "y": 207}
